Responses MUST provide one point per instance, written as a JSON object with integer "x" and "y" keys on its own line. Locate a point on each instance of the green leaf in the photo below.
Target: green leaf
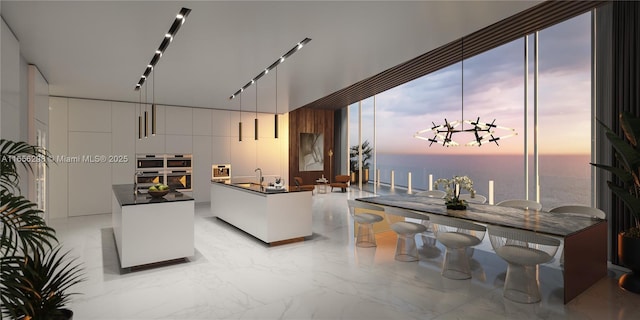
{"x": 632, "y": 202}
{"x": 622, "y": 174}
{"x": 631, "y": 127}
{"x": 11, "y": 153}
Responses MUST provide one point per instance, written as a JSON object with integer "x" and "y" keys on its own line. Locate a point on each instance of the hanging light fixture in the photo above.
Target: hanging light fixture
{"x": 482, "y": 132}
{"x": 255, "y": 131}
{"x": 139, "y": 115}
{"x": 153, "y": 106}
{"x": 146, "y": 114}
{"x": 240, "y": 123}
{"x": 293, "y": 50}
{"x": 275, "y": 123}
{"x": 168, "y": 38}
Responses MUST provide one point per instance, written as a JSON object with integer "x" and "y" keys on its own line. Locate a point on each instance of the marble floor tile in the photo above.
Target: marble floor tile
{"x": 235, "y": 276}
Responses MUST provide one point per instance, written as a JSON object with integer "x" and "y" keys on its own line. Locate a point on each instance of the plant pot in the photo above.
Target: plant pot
{"x": 355, "y": 175}
{"x": 63, "y": 314}
{"x": 629, "y": 254}
{"x": 457, "y": 206}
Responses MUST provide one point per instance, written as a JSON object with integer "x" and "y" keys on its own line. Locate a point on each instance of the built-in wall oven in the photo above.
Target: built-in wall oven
{"x": 179, "y": 180}
{"x": 174, "y": 170}
{"x": 221, "y": 172}
{"x": 180, "y": 161}
{"x": 149, "y": 162}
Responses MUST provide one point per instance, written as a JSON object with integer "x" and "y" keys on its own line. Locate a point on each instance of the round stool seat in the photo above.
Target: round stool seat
{"x": 523, "y": 256}
{"x": 408, "y": 228}
{"x": 367, "y": 218}
{"x": 457, "y": 240}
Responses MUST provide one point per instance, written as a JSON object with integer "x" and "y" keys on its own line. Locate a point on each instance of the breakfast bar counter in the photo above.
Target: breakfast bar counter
{"x": 267, "y": 213}
{"x": 149, "y": 230}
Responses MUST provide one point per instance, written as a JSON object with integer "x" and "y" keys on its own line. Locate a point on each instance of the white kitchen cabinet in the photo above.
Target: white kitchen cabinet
{"x": 201, "y": 177}
{"x": 151, "y": 145}
{"x": 58, "y": 146}
{"x": 221, "y": 150}
{"x": 89, "y": 115}
{"x": 123, "y": 142}
{"x": 89, "y": 181}
{"x": 178, "y": 120}
{"x": 178, "y": 144}
{"x": 202, "y": 122}
{"x": 222, "y": 123}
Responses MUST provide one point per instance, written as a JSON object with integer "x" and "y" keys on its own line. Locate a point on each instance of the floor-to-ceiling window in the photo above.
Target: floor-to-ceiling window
{"x": 564, "y": 94}
{"x": 491, "y": 86}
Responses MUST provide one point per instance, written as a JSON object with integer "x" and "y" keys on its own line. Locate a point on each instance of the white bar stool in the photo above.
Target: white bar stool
{"x": 456, "y": 235}
{"x": 365, "y": 237}
{"x": 406, "y": 249}
{"x": 523, "y": 251}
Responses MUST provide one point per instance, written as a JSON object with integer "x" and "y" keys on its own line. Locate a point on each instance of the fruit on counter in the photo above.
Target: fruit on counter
{"x": 159, "y": 187}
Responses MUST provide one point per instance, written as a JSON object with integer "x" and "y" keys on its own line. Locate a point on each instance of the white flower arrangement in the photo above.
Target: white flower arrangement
{"x": 453, "y": 186}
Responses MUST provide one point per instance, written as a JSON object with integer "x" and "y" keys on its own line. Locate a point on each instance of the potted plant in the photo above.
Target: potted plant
{"x": 367, "y": 153}
{"x": 452, "y": 187}
{"x": 34, "y": 274}
{"x": 627, "y": 152}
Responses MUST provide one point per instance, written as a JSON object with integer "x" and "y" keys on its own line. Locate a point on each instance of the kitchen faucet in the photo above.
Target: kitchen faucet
{"x": 260, "y": 178}
{"x": 135, "y": 181}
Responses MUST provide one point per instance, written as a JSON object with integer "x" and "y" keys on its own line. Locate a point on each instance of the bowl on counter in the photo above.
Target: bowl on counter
{"x": 158, "y": 194}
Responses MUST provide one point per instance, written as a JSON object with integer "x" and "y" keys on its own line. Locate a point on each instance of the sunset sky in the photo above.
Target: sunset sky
{"x": 494, "y": 89}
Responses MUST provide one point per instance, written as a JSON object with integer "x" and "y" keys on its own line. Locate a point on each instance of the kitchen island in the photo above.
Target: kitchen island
{"x": 269, "y": 214}
{"x": 149, "y": 230}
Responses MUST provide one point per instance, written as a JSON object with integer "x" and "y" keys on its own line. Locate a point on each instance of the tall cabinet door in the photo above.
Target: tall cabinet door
{"x": 89, "y": 141}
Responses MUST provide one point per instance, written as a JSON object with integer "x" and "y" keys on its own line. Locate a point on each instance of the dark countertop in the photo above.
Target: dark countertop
{"x": 124, "y": 195}
{"x": 556, "y": 224}
{"x": 254, "y": 187}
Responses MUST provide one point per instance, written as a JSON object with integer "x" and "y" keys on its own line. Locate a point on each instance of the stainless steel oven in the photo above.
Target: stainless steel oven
{"x": 146, "y": 162}
{"x": 220, "y": 172}
{"x": 179, "y": 180}
{"x": 173, "y": 170}
{"x": 148, "y": 178}
{"x": 179, "y": 161}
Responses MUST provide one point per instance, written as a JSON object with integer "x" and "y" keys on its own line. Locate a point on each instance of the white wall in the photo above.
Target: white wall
{"x": 80, "y": 127}
{"x": 10, "y": 73}
{"x": 13, "y": 95}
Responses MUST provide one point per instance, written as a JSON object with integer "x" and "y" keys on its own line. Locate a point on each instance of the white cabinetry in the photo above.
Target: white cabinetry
{"x": 58, "y": 146}
{"x": 89, "y": 182}
{"x": 123, "y": 129}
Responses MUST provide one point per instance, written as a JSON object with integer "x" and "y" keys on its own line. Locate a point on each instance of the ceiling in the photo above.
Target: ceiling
{"x": 98, "y": 50}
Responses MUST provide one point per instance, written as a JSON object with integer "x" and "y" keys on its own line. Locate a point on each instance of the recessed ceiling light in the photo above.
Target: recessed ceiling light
{"x": 273, "y": 65}
{"x": 180, "y": 19}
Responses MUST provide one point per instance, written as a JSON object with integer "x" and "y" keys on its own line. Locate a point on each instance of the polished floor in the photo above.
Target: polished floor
{"x": 235, "y": 276}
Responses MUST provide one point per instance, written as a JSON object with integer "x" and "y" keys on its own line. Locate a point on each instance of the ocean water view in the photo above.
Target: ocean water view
{"x": 564, "y": 179}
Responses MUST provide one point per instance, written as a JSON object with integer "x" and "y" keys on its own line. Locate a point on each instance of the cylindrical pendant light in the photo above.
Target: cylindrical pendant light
{"x": 153, "y": 107}
{"x": 240, "y": 123}
{"x": 139, "y": 115}
{"x": 275, "y": 124}
{"x": 146, "y": 115}
{"x": 255, "y": 133}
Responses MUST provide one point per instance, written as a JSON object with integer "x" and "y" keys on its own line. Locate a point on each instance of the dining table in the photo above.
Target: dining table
{"x": 585, "y": 238}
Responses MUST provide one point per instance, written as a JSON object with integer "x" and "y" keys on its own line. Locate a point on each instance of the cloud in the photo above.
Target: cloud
{"x": 494, "y": 89}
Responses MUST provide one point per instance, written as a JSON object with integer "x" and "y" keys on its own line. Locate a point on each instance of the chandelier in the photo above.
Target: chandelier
{"x": 481, "y": 132}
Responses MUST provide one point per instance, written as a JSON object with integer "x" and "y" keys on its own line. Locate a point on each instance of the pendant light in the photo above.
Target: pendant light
{"x": 255, "y": 133}
{"x": 275, "y": 124}
{"x": 153, "y": 106}
{"x": 482, "y": 132}
{"x": 240, "y": 123}
{"x": 168, "y": 38}
{"x": 140, "y": 115}
{"x": 146, "y": 114}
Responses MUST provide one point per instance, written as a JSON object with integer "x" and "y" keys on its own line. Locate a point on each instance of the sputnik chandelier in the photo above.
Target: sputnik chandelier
{"x": 483, "y": 132}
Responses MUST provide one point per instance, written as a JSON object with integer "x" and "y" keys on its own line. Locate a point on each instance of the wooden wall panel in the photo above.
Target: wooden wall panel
{"x": 307, "y": 120}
